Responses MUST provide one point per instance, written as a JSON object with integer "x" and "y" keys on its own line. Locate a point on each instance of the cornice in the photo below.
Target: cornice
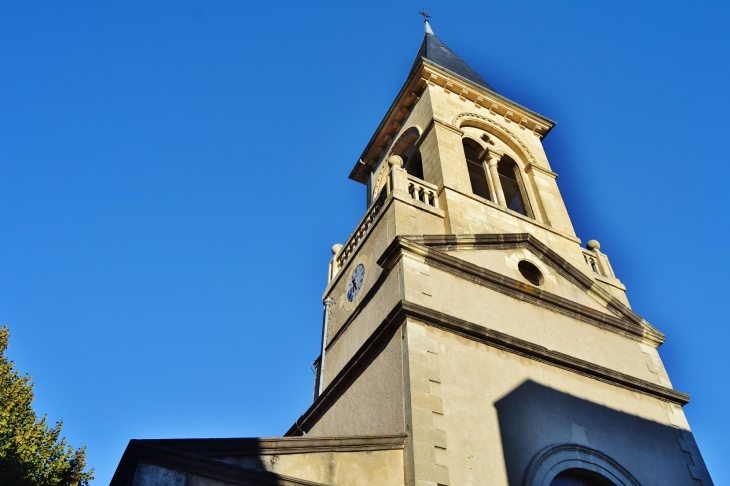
{"x": 410, "y": 93}
{"x": 483, "y": 98}
{"x": 428, "y": 247}
{"x": 534, "y": 166}
{"x": 536, "y": 352}
{"x": 445, "y": 125}
{"x": 404, "y": 310}
{"x": 630, "y": 325}
{"x": 281, "y": 445}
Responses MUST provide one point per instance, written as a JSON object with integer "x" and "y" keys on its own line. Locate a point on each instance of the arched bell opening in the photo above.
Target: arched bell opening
{"x": 412, "y": 162}
{"x": 474, "y": 154}
{"x": 513, "y": 186}
{"x": 407, "y": 149}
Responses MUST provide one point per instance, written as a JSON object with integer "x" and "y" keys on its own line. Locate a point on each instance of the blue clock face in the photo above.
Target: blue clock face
{"x": 353, "y": 288}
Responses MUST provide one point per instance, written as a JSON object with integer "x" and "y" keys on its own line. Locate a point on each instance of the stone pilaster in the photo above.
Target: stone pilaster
{"x": 424, "y": 409}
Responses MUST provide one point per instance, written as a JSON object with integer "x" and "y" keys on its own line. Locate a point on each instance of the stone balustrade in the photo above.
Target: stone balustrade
{"x": 363, "y": 228}
{"x": 423, "y": 191}
{"x": 398, "y": 181}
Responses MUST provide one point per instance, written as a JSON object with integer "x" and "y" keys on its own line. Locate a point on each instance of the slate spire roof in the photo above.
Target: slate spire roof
{"x": 433, "y": 50}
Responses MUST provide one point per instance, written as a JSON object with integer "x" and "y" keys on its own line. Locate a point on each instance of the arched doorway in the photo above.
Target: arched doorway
{"x": 580, "y": 477}
{"x": 576, "y": 465}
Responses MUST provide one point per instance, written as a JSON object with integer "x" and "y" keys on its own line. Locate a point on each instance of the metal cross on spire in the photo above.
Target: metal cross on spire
{"x": 426, "y": 25}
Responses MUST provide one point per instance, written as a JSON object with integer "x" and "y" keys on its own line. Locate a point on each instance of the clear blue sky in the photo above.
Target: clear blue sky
{"x": 174, "y": 173}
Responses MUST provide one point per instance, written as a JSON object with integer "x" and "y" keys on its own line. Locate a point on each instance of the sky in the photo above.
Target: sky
{"x": 173, "y": 175}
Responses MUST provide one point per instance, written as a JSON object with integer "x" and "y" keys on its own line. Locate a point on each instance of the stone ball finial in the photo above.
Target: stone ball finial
{"x": 593, "y": 245}
{"x": 395, "y": 160}
{"x": 336, "y": 248}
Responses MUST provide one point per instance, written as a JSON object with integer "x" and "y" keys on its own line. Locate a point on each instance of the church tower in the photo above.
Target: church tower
{"x": 469, "y": 338}
{"x": 464, "y": 312}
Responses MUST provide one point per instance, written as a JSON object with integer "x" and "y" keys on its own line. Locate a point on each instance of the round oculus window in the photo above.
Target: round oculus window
{"x": 531, "y": 273}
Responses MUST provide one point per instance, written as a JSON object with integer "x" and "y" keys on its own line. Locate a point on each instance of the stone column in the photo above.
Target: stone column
{"x": 488, "y": 174}
{"x": 493, "y": 159}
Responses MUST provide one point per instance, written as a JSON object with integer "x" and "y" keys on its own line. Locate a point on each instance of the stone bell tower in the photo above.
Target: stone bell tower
{"x": 468, "y": 339}
{"x": 463, "y": 311}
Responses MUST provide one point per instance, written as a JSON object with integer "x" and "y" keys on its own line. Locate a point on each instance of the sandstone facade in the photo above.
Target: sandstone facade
{"x": 469, "y": 340}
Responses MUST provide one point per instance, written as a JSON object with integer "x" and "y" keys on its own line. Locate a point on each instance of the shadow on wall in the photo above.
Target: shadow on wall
{"x": 366, "y": 396}
{"x": 535, "y": 419}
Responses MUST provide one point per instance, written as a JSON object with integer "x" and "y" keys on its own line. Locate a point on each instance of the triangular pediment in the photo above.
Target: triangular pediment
{"x": 492, "y": 260}
{"x": 506, "y": 262}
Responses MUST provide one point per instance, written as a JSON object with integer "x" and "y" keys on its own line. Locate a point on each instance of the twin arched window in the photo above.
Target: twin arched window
{"x": 508, "y": 181}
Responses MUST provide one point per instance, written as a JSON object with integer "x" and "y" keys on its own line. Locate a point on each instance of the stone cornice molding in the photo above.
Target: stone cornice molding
{"x": 534, "y": 166}
{"x": 388, "y": 128}
{"x": 435, "y": 121}
{"x": 536, "y": 352}
{"x": 282, "y": 445}
{"x": 481, "y": 97}
{"x": 631, "y": 325}
{"x": 399, "y": 196}
{"x": 430, "y": 74}
{"x": 446, "y": 125}
{"x": 405, "y": 310}
{"x": 427, "y": 247}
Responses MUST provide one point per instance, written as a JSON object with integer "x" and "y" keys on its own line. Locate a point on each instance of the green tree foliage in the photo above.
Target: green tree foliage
{"x": 31, "y": 452}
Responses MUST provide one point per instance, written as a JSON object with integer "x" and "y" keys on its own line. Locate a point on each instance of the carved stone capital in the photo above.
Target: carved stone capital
{"x": 493, "y": 157}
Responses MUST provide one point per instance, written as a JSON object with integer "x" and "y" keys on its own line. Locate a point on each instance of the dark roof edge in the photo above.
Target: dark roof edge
{"x": 382, "y": 123}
